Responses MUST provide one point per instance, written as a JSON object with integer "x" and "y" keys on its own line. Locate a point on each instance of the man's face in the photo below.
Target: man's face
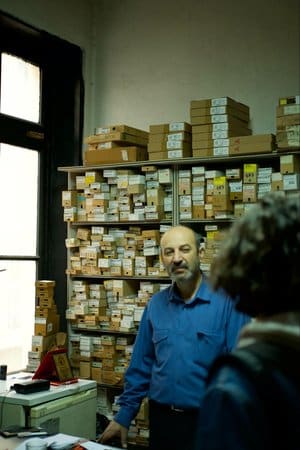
{"x": 180, "y": 254}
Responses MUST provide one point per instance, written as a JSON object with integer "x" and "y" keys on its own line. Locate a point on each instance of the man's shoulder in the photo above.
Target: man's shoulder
{"x": 163, "y": 294}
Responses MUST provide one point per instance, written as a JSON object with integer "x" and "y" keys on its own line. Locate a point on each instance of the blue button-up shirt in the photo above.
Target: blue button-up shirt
{"x": 176, "y": 343}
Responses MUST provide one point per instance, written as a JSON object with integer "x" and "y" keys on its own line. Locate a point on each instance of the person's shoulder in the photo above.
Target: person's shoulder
{"x": 160, "y": 296}
{"x": 227, "y": 383}
{"x": 214, "y": 295}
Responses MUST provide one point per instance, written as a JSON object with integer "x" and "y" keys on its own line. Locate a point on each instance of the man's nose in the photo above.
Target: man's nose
{"x": 177, "y": 257}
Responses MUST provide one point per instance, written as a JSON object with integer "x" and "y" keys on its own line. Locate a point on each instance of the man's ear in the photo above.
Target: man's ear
{"x": 201, "y": 252}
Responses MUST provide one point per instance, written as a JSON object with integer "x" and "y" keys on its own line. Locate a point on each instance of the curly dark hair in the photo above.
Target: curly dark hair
{"x": 258, "y": 262}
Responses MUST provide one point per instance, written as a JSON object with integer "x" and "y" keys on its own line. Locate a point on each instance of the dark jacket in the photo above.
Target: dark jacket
{"x": 241, "y": 412}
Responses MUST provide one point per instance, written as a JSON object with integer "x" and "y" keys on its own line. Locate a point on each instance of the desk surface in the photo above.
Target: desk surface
{"x": 14, "y": 442}
{"x": 55, "y": 392}
{"x": 10, "y": 443}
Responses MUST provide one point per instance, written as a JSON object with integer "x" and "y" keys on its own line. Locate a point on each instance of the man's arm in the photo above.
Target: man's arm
{"x": 136, "y": 384}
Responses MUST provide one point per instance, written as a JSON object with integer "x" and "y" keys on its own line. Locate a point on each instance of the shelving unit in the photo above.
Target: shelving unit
{"x": 199, "y": 224}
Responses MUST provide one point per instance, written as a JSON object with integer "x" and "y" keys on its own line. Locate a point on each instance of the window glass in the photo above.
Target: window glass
{"x": 18, "y": 200}
{"x": 20, "y": 88}
{"x": 17, "y": 305}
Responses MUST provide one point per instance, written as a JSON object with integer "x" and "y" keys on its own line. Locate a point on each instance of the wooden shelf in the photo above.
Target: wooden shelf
{"x": 216, "y": 160}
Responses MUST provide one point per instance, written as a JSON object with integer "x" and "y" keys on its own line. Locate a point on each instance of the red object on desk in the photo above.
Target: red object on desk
{"x": 55, "y": 366}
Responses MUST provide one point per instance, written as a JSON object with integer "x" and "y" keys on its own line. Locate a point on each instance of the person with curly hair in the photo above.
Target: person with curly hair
{"x": 258, "y": 267}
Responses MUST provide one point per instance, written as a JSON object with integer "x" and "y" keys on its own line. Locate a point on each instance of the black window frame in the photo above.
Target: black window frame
{"x": 58, "y": 138}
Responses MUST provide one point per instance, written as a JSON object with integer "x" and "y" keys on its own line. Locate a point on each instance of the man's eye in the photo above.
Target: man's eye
{"x": 185, "y": 249}
{"x": 168, "y": 252}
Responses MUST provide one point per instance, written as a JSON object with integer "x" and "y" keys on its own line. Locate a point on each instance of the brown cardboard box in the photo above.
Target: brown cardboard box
{"x": 121, "y": 129}
{"x": 289, "y": 100}
{"x": 43, "y": 343}
{"x": 185, "y": 152}
{"x": 203, "y": 152}
{"x": 222, "y": 101}
{"x": 157, "y": 147}
{"x": 157, "y": 156}
{"x": 290, "y": 138}
{"x": 85, "y": 369}
{"x": 289, "y": 164}
{"x": 159, "y": 129}
{"x": 251, "y": 149}
{"x": 286, "y": 121}
{"x": 117, "y": 137}
{"x": 234, "y": 122}
{"x": 234, "y": 112}
{"x": 198, "y": 211}
{"x": 263, "y": 143}
{"x": 116, "y": 155}
{"x": 253, "y": 139}
{"x": 250, "y": 173}
{"x": 249, "y": 193}
{"x": 157, "y": 138}
{"x": 202, "y": 143}
{"x": 44, "y": 326}
{"x": 287, "y": 110}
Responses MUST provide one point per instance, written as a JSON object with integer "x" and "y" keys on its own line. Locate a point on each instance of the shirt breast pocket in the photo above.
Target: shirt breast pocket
{"x": 210, "y": 345}
{"x": 160, "y": 341}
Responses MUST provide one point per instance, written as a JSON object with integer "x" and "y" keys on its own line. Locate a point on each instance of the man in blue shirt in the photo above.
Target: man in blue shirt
{"x": 183, "y": 328}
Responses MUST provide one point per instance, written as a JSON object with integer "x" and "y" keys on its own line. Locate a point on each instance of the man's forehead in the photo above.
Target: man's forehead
{"x": 178, "y": 237}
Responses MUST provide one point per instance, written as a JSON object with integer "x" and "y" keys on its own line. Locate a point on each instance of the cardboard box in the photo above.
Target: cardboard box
{"x": 219, "y": 101}
{"x": 121, "y": 129}
{"x": 252, "y": 139}
{"x": 277, "y": 181}
{"x": 286, "y": 121}
{"x": 198, "y": 211}
{"x": 234, "y": 112}
{"x": 159, "y": 129}
{"x": 218, "y": 118}
{"x": 289, "y": 164}
{"x": 291, "y": 182}
{"x": 202, "y": 152}
{"x": 157, "y": 156}
{"x": 117, "y": 137}
{"x": 41, "y": 343}
{"x": 287, "y": 110}
{"x": 289, "y": 138}
{"x": 44, "y": 326}
{"x": 249, "y": 149}
{"x": 295, "y": 99}
{"x": 250, "y": 173}
{"x": 116, "y": 155}
{"x": 249, "y": 193}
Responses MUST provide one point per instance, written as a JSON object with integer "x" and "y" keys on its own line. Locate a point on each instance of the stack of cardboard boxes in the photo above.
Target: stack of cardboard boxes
{"x": 46, "y": 323}
{"x": 113, "y": 195}
{"x": 114, "y": 144}
{"x": 288, "y": 123}
{"x": 170, "y": 141}
{"x": 213, "y": 122}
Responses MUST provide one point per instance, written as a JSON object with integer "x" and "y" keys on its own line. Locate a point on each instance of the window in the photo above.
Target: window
{"x": 40, "y": 88}
{"x": 20, "y": 88}
{"x": 18, "y": 240}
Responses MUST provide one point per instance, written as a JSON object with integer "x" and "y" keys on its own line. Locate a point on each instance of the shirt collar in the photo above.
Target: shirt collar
{"x": 203, "y": 294}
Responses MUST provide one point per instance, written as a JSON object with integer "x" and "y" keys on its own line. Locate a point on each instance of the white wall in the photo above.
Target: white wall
{"x": 145, "y": 60}
{"x": 154, "y": 57}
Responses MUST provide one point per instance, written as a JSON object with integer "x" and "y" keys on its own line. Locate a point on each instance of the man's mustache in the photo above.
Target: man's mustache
{"x": 175, "y": 266}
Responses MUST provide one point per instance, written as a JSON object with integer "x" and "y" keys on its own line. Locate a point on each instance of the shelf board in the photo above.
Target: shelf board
{"x": 99, "y": 331}
{"x": 183, "y": 161}
{"x": 207, "y": 221}
{"x": 121, "y": 223}
{"x": 122, "y": 277}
